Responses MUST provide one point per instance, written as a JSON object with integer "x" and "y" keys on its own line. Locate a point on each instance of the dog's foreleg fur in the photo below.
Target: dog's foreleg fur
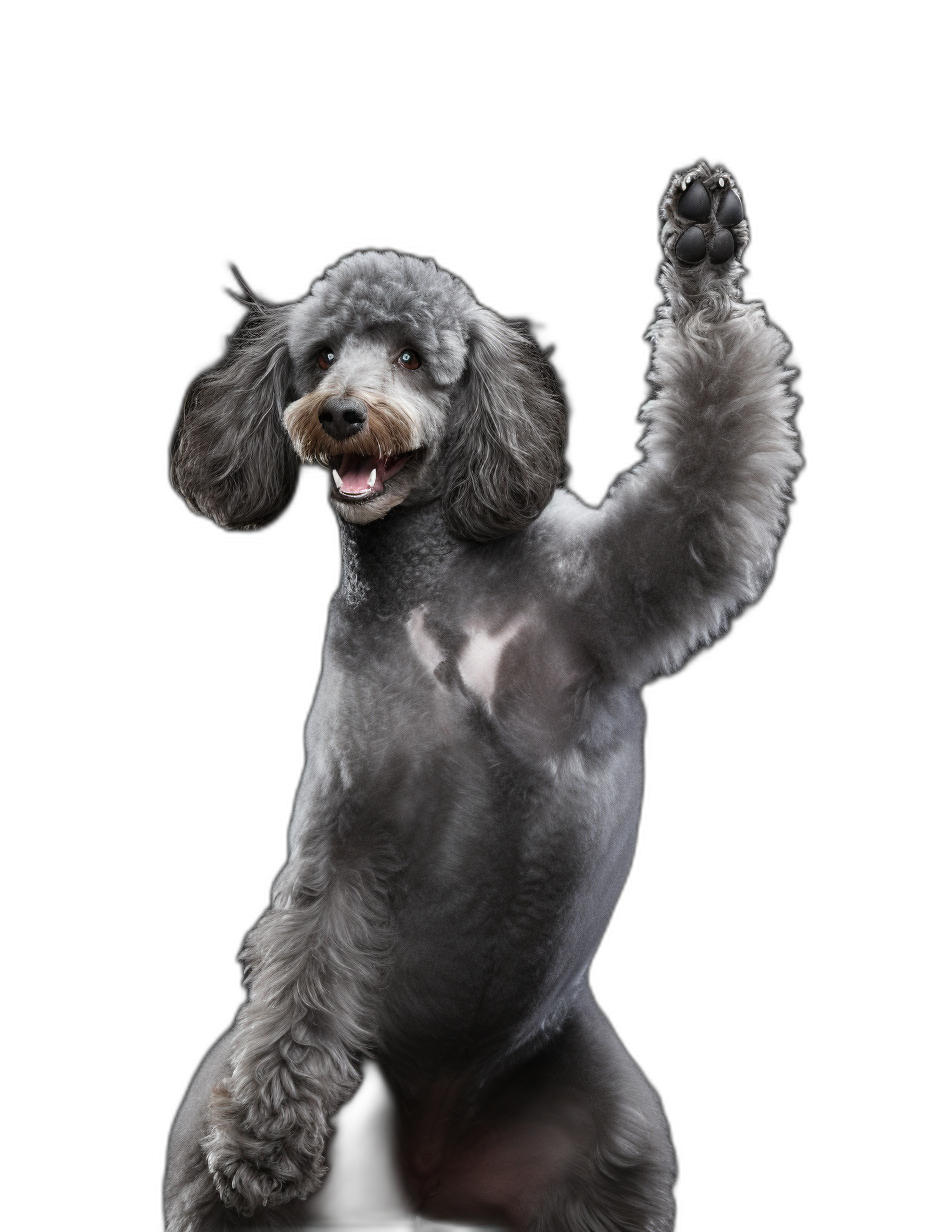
{"x": 697, "y": 523}
{"x": 193, "y": 1205}
{"x": 313, "y": 964}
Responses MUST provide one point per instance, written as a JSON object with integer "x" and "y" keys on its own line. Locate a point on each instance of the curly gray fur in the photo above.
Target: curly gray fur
{"x": 230, "y": 456}
{"x": 495, "y": 459}
{"x": 505, "y": 455}
{"x": 312, "y": 972}
{"x": 469, "y": 806}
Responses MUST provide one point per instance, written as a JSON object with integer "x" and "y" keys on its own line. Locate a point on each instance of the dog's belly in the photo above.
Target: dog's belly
{"x": 503, "y": 901}
{"x": 510, "y": 867}
{"x": 505, "y": 797}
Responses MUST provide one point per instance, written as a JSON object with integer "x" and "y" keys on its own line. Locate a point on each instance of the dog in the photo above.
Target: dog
{"x": 468, "y": 811}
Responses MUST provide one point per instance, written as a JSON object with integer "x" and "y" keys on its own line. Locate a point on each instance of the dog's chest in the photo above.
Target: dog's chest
{"x": 461, "y": 710}
{"x": 509, "y": 672}
{"x": 470, "y": 739}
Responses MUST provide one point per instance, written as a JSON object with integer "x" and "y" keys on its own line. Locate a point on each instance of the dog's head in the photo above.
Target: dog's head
{"x": 392, "y": 375}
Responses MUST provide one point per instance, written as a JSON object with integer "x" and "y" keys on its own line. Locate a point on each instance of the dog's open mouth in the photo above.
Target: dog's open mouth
{"x": 361, "y": 476}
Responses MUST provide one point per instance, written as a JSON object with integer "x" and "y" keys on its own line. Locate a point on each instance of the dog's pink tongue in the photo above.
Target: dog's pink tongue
{"x": 355, "y": 472}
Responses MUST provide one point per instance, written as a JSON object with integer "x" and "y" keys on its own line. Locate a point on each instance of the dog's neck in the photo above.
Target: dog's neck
{"x": 396, "y": 563}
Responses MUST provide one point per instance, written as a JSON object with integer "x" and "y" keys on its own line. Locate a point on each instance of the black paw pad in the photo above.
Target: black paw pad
{"x": 691, "y": 246}
{"x": 714, "y": 204}
{"x": 721, "y": 247}
{"x": 730, "y": 210}
{"x": 695, "y": 204}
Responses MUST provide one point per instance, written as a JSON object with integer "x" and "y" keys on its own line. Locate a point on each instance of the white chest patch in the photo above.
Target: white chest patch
{"x": 426, "y": 649}
{"x": 479, "y": 660}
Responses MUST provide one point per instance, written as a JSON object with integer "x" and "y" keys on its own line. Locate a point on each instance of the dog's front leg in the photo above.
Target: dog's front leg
{"x": 689, "y": 536}
{"x": 312, "y": 964}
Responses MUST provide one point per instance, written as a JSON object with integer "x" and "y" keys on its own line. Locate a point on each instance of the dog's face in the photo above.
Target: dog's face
{"x": 390, "y": 374}
{"x": 375, "y": 415}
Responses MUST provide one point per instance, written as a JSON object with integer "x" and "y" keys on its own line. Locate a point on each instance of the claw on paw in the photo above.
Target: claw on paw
{"x": 695, "y": 204}
{"x": 706, "y": 210}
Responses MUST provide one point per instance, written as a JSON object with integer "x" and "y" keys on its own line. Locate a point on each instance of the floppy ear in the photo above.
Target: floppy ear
{"x": 231, "y": 458}
{"x": 506, "y": 453}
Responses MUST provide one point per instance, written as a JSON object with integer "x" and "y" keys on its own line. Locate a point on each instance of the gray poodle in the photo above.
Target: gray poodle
{"x": 467, "y": 815}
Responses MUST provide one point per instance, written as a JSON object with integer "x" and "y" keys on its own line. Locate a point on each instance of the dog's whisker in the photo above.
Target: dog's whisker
{"x": 390, "y": 427}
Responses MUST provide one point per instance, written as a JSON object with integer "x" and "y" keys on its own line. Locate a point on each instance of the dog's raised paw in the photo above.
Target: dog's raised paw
{"x": 705, "y": 213}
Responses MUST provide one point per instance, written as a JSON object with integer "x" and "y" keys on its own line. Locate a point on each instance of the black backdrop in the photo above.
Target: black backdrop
{"x": 715, "y": 968}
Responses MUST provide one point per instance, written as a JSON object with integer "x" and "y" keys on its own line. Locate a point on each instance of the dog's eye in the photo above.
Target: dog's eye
{"x": 409, "y": 359}
{"x": 325, "y": 358}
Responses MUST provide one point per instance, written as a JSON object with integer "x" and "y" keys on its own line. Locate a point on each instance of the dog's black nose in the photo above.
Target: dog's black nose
{"x": 342, "y": 417}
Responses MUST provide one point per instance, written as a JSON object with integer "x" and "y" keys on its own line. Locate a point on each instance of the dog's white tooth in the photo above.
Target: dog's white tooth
{"x": 338, "y": 479}
{"x": 372, "y": 477}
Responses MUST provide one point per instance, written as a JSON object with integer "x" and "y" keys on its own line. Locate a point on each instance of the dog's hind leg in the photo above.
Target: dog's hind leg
{"x": 619, "y": 1176}
{"x": 312, "y": 964}
{"x": 572, "y": 1140}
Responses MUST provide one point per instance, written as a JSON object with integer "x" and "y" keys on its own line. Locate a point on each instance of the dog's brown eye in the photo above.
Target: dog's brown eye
{"x": 409, "y": 359}
{"x": 325, "y": 358}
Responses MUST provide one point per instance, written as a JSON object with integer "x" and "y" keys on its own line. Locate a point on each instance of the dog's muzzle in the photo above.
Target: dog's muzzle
{"x": 364, "y": 440}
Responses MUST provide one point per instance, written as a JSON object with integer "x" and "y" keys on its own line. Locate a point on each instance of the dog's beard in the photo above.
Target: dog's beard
{"x": 362, "y": 464}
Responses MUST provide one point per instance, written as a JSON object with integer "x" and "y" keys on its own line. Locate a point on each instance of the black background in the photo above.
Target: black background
{"x": 721, "y": 966}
